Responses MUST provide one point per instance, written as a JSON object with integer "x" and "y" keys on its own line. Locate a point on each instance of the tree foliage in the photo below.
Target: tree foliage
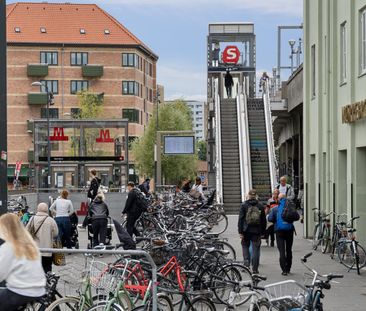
{"x": 201, "y": 148}
{"x": 174, "y": 116}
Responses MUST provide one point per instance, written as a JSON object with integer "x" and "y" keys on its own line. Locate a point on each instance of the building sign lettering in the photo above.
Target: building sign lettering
{"x": 59, "y": 134}
{"x": 104, "y": 137}
{"x": 354, "y": 112}
{"x": 231, "y": 55}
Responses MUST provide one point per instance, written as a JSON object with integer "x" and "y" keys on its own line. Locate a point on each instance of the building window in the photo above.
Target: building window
{"x": 53, "y": 113}
{"x": 131, "y": 139}
{"x": 131, "y": 88}
{"x": 128, "y": 59}
{"x": 343, "y": 53}
{"x": 79, "y": 58}
{"x": 313, "y": 70}
{"x": 50, "y": 58}
{"x": 52, "y": 86}
{"x": 79, "y": 85}
{"x": 75, "y": 113}
{"x": 363, "y": 40}
{"x": 131, "y": 114}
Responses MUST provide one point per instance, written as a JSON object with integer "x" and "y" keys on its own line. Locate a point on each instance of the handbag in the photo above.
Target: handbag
{"x": 32, "y": 230}
{"x": 58, "y": 259}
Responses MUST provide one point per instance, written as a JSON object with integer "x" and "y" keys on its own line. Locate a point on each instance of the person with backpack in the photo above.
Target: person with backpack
{"x": 272, "y": 202}
{"x": 98, "y": 213}
{"x": 43, "y": 230}
{"x": 251, "y": 227}
{"x": 135, "y": 205}
{"x": 286, "y": 188}
{"x": 283, "y": 216}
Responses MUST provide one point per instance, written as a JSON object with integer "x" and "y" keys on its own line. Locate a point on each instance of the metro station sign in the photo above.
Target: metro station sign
{"x": 59, "y": 134}
{"x": 231, "y": 55}
{"x": 104, "y": 137}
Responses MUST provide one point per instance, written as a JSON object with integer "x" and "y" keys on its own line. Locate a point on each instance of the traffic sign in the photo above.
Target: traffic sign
{"x": 231, "y": 55}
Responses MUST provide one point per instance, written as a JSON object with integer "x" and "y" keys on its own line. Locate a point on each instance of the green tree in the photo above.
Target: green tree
{"x": 90, "y": 107}
{"x": 201, "y": 148}
{"x": 174, "y": 116}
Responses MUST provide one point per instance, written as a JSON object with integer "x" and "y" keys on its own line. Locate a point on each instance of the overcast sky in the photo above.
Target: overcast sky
{"x": 176, "y": 30}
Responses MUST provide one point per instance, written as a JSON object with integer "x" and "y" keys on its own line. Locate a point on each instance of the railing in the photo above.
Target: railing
{"x": 244, "y": 147}
{"x": 218, "y": 164}
{"x": 269, "y": 133}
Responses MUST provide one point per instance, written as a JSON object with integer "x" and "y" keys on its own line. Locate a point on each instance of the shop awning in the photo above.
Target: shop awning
{"x": 23, "y": 171}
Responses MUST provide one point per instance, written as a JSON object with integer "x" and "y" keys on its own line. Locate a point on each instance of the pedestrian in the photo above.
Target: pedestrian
{"x": 21, "y": 266}
{"x": 284, "y": 234}
{"x": 229, "y": 82}
{"x": 43, "y": 230}
{"x": 94, "y": 185}
{"x": 272, "y": 202}
{"x": 251, "y": 227}
{"x": 132, "y": 208}
{"x": 62, "y": 208}
{"x": 286, "y": 188}
{"x": 145, "y": 187}
{"x": 186, "y": 185}
{"x": 197, "y": 189}
{"x": 99, "y": 213}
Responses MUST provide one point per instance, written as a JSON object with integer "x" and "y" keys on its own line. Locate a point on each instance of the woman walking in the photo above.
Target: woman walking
{"x": 43, "y": 230}
{"x": 98, "y": 213}
{"x": 272, "y": 202}
{"x": 63, "y": 209}
{"x": 21, "y": 267}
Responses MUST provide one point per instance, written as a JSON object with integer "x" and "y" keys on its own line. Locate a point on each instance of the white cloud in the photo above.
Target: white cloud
{"x": 289, "y": 7}
{"x": 182, "y": 82}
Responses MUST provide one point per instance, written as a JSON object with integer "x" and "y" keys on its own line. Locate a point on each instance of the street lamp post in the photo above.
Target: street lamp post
{"x": 156, "y": 145}
{"x": 49, "y": 102}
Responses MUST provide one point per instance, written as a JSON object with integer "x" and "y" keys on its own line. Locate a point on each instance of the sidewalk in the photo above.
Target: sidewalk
{"x": 348, "y": 293}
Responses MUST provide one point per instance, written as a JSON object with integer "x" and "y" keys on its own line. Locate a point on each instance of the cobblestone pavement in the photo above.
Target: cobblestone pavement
{"x": 348, "y": 293}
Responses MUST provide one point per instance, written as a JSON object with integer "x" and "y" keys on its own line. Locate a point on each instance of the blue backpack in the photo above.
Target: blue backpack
{"x": 282, "y": 225}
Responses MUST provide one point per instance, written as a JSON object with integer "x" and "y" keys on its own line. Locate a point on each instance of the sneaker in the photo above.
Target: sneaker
{"x": 284, "y": 273}
{"x": 255, "y": 272}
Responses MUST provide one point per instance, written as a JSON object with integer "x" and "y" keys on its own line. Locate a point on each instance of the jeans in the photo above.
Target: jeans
{"x": 255, "y": 241}
{"x": 130, "y": 225}
{"x": 285, "y": 240}
{"x": 47, "y": 264}
{"x": 11, "y": 301}
{"x": 64, "y": 230}
{"x": 228, "y": 91}
{"x": 270, "y": 234}
{"x": 99, "y": 230}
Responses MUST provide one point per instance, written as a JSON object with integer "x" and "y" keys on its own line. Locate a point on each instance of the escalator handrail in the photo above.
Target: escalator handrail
{"x": 218, "y": 162}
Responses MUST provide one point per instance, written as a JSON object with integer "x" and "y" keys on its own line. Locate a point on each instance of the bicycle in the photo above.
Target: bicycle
{"x": 321, "y": 233}
{"x": 350, "y": 252}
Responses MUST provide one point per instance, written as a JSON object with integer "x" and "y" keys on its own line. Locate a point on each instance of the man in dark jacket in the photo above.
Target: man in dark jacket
{"x": 229, "y": 82}
{"x": 145, "y": 187}
{"x": 98, "y": 213}
{"x": 251, "y": 227}
{"x": 132, "y": 209}
{"x": 94, "y": 185}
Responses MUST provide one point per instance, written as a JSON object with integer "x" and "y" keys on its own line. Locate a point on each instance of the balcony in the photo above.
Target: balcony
{"x": 30, "y": 125}
{"x": 37, "y": 70}
{"x": 37, "y": 98}
{"x": 92, "y": 71}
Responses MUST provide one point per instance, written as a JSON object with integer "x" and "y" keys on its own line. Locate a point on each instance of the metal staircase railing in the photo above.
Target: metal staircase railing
{"x": 218, "y": 162}
{"x": 269, "y": 133}
{"x": 244, "y": 145}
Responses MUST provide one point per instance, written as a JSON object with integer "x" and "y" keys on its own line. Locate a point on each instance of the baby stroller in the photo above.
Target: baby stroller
{"x": 74, "y": 237}
{"x": 90, "y": 234}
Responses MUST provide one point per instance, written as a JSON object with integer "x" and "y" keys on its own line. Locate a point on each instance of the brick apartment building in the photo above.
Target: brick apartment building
{"x": 72, "y": 47}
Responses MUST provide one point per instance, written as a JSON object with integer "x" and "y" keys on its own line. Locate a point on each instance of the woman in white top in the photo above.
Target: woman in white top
{"x": 20, "y": 267}
{"x": 63, "y": 208}
{"x": 198, "y": 187}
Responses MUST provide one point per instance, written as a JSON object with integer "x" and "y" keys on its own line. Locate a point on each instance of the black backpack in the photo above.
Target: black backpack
{"x": 290, "y": 213}
{"x": 141, "y": 201}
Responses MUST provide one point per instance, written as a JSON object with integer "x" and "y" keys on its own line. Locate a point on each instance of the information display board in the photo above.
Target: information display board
{"x": 179, "y": 145}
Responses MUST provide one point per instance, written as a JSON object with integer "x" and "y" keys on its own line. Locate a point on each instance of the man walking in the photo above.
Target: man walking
{"x": 284, "y": 234}
{"x": 132, "y": 208}
{"x": 251, "y": 227}
{"x": 229, "y": 82}
{"x": 286, "y": 189}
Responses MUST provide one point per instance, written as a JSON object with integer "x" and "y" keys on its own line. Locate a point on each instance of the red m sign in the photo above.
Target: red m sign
{"x": 58, "y": 134}
{"x": 104, "y": 137}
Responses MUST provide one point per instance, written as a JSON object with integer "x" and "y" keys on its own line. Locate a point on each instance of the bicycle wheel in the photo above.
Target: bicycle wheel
{"x": 324, "y": 243}
{"x": 262, "y": 305}
{"x": 102, "y": 306}
{"x": 217, "y": 221}
{"x": 227, "y": 280}
{"x": 201, "y": 304}
{"x": 163, "y": 304}
{"x": 316, "y": 237}
{"x": 350, "y": 257}
{"x": 66, "y": 304}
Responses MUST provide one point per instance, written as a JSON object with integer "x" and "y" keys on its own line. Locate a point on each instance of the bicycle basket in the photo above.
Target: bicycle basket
{"x": 286, "y": 295}
{"x": 103, "y": 276}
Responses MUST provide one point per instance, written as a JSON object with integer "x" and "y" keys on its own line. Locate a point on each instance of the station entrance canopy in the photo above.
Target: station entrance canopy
{"x": 77, "y": 146}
